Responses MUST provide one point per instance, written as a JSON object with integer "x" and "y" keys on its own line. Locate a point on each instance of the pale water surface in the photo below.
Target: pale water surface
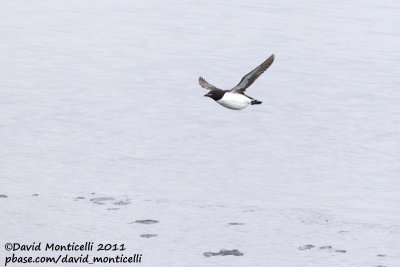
{"x": 100, "y": 100}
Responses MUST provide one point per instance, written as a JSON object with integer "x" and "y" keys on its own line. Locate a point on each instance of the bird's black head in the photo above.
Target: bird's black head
{"x": 215, "y": 94}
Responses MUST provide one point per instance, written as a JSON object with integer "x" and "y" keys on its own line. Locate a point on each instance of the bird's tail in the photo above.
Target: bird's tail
{"x": 255, "y": 102}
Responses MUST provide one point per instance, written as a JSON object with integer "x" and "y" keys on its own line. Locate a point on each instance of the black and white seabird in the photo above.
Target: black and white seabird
{"x": 236, "y": 98}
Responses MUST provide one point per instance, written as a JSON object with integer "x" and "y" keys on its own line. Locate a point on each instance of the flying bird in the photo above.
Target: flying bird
{"x": 236, "y": 98}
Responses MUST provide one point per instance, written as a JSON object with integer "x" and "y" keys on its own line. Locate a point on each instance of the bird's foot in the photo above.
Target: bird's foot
{"x": 255, "y": 102}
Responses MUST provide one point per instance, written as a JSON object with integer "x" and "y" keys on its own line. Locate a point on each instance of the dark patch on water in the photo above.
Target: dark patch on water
{"x": 3, "y": 196}
{"x": 146, "y": 221}
{"x": 340, "y": 250}
{"x": 113, "y": 209}
{"x": 209, "y": 254}
{"x": 99, "y": 199}
{"x": 233, "y": 252}
{"x": 122, "y": 203}
{"x": 224, "y": 252}
{"x": 35, "y": 195}
{"x": 148, "y": 235}
{"x": 381, "y": 255}
{"x": 249, "y": 210}
{"x": 235, "y": 223}
{"x": 80, "y": 198}
{"x": 313, "y": 218}
{"x": 325, "y": 247}
{"x": 306, "y": 247}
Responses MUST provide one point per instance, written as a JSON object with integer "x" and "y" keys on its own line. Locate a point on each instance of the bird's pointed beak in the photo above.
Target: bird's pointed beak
{"x": 208, "y": 94}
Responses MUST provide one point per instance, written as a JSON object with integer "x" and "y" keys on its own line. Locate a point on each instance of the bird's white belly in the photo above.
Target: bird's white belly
{"x": 234, "y": 101}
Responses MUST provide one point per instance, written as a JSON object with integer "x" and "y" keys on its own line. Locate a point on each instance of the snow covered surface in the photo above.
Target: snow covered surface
{"x": 103, "y": 123}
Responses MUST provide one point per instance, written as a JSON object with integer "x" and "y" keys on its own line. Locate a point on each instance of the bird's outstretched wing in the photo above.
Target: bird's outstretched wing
{"x": 249, "y": 78}
{"x": 203, "y": 83}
